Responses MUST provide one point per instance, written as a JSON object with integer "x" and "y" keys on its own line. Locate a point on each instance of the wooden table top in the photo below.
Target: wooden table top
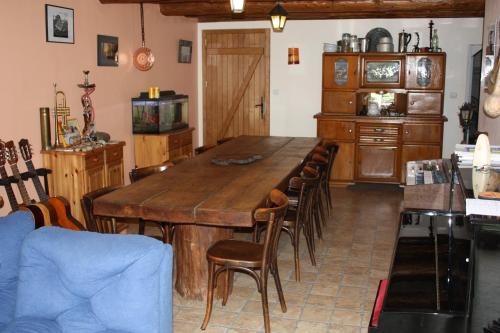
{"x": 198, "y": 191}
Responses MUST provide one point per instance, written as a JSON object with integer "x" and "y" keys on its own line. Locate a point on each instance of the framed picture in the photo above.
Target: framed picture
{"x": 185, "y": 49}
{"x": 107, "y": 50}
{"x": 72, "y": 132}
{"x": 59, "y": 24}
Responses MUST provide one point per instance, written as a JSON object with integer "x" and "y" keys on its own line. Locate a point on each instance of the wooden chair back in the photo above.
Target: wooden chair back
{"x": 97, "y": 224}
{"x": 140, "y": 173}
{"x": 273, "y": 214}
{"x": 202, "y": 149}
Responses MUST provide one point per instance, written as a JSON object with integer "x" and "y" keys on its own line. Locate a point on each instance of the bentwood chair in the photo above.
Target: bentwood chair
{"x": 202, "y": 149}
{"x": 136, "y": 174}
{"x": 99, "y": 224}
{"x": 299, "y": 219}
{"x": 250, "y": 258}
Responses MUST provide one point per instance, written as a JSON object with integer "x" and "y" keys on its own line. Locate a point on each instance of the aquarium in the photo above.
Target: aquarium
{"x": 159, "y": 115}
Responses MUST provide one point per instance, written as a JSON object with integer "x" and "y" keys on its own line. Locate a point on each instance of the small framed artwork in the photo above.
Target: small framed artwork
{"x": 107, "y": 50}
{"x": 59, "y": 24}
{"x": 185, "y": 49}
{"x": 72, "y": 134}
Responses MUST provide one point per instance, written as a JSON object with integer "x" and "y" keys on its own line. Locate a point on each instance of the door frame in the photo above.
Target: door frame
{"x": 266, "y": 59}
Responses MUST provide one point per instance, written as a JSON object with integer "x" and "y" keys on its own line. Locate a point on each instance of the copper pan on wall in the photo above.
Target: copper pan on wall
{"x": 143, "y": 56}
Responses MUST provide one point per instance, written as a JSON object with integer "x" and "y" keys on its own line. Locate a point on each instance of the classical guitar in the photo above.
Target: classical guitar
{"x": 42, "y": 213}
{"x": 59, "y": 204}
{"x": 3, "y": 174}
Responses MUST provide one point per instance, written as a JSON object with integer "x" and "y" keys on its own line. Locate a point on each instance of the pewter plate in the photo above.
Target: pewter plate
{"x": 374, "y": 36}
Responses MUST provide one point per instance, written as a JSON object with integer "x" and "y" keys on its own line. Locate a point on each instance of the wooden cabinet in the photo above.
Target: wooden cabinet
{"x": 421, "y": 141}
{"x": 344, "y": 133}
{"x": 376, "y": 149}
{"x": 77, "y": 173}
{"x": 152, "y": 149}
{"x": 340, "y": 71}
{"x": 425, "y": 71}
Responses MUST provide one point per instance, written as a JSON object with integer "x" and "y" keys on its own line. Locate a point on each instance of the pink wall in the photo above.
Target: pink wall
{"x": 30, "y": 66}
{"x": 487, "y": 124}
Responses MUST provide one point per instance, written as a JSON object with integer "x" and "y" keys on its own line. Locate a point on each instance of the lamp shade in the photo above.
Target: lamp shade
{"x": 278, "y": 18}
{"x": 237, "y": 6}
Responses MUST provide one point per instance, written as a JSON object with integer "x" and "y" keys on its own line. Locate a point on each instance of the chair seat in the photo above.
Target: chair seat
{"x": 236, "y": 252}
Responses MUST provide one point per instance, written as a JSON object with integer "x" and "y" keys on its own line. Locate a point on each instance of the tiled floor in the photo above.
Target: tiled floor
{"x": 336, "y": 295}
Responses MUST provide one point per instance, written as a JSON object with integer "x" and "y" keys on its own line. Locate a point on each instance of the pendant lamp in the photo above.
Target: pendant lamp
{"x": 278, "y": 18}
{"x": 237, "y": 6}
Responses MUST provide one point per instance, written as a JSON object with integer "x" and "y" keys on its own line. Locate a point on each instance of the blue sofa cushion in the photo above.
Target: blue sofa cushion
{"x": 90, "y": 282}
{"x": 13, "y": 230}
{"x": 32, "y": 325}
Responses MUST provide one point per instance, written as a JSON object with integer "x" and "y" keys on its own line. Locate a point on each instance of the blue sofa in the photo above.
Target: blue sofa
{"x": 76, "y": 282}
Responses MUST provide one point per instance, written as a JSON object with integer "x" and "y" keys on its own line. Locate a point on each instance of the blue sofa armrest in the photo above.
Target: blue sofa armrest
{"x": 13, "y": 230}
{"x": 90, "y": 282}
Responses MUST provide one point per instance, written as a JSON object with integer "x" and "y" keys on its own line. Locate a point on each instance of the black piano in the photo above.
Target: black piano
{"x": 429, "y": 283}
{"x": 445, "y": 274}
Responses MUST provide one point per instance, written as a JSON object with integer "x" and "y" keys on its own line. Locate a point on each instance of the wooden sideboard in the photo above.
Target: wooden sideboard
{"x": 376, "y": 148}
{"x": 77, "y": 173}
{"x": 153, "y": 149}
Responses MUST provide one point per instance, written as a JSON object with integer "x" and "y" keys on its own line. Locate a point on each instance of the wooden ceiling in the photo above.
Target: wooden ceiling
{"x": 219, "y": 10}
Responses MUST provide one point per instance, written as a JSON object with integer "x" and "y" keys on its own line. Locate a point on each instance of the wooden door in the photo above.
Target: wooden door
{"x": 236, "y": 83}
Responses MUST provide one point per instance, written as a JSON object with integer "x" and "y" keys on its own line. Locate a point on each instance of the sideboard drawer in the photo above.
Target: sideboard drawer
{"x": 378, "y": 130}
{"x": 114, "y": 154}
{"x": 179, "y": 140}
{"x": 93, "y": 160}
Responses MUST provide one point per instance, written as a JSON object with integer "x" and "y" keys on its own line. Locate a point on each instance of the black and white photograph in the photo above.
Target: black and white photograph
{"x": 185, "y": 49}
{"x": 107, "y": 50}
{"x": 59, "y": 24}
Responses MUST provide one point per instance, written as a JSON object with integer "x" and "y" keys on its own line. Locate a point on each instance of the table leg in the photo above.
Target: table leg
{"x": 191, "y": 243}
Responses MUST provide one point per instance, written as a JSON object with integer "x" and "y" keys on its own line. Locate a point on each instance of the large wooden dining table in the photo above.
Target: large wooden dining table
{"x": 207, "y": 201}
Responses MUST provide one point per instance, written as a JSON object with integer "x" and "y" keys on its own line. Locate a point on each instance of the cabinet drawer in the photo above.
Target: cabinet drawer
{"x": 338, "y": 130}
{"x": 178, "y": 140}
{"x": 94, "y": 160}
{"x": 339, "y": 102}
{"x": 378, "y": 130}
{"x": 113, "y": 154}
{"x": 422, "y": 133}
{"x": 424, "y": 104}
{"x": 389, "y": 140}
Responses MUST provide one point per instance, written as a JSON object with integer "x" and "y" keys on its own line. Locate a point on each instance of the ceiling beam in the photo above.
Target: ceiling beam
{"x": 219, "y": 10}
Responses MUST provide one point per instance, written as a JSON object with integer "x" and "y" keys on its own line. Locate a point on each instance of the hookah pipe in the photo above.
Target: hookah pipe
{"x": 88, "y": 109}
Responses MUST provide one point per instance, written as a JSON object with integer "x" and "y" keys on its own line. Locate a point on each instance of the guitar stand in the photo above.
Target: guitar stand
{"x": 27, "y": 175}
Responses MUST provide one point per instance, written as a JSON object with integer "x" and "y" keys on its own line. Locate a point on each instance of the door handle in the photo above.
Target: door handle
{"x": 262, "y": 107}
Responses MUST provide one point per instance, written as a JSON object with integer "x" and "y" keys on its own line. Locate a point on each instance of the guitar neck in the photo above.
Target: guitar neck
{"x": 36, "y": 181}
{"x": 8, "y": 189}
{"x": 20, "y": 184}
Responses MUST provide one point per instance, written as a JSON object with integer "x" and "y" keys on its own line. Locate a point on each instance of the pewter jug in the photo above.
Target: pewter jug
{"x": 404, "y": 40}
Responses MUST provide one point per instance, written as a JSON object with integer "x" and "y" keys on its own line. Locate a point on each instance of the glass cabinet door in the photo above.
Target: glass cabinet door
{"x": 340, "y": 72}
{"x": 382, "y": 71}
{"x": 425, "y": 71}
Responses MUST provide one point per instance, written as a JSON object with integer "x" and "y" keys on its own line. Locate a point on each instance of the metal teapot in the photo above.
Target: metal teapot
{"x": 404, "y": 40}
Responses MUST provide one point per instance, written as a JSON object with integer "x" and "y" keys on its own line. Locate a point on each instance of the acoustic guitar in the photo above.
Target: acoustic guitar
{"x": 3, "y": 174}
{"x": 60, "y": 205}
{"x": 42, "y": 213}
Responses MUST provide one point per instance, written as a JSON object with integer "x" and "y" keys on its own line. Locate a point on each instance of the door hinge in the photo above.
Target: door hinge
{"x": 206, "y": 84}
